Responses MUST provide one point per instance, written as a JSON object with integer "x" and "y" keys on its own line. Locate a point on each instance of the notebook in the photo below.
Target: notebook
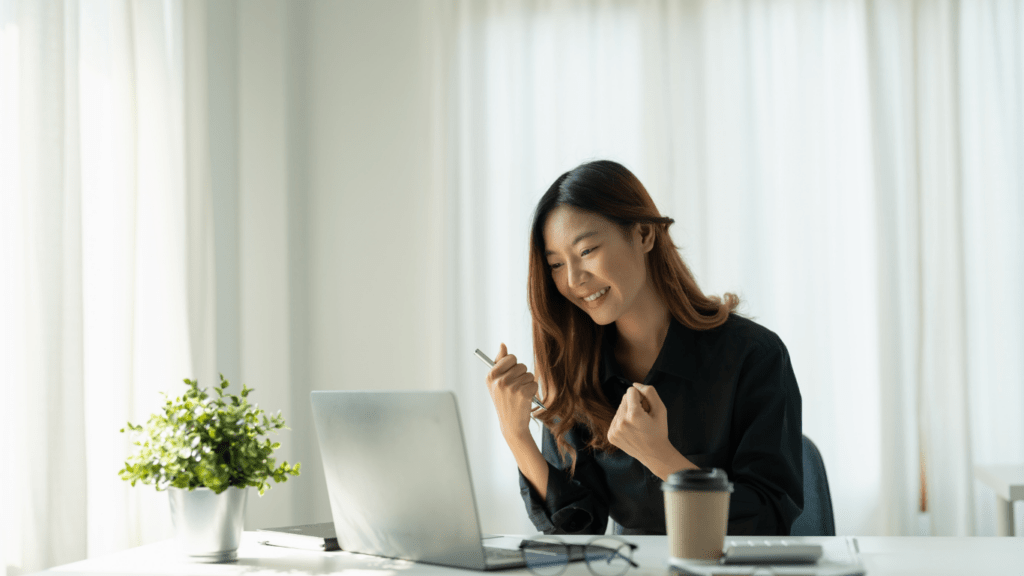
{"x": 398, "y": 478}
{"x": 318, "y": 537}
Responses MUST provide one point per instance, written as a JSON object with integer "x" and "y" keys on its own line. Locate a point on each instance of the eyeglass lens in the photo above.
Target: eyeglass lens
{"x": 608, "y": 557}
{"x": 545, "y": 555}
{"x": 549, "y": 556}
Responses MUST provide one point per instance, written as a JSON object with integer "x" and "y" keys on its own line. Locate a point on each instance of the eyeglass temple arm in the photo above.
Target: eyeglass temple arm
{"x": 627, "y": 559}
{"x": 526, "y": 543}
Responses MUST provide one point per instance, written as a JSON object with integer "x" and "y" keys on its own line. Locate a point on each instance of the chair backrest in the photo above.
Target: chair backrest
{"x": 817, "y": 518}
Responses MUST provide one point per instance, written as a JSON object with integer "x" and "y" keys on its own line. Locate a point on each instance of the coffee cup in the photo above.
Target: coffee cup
{"x": 697, "y": 513}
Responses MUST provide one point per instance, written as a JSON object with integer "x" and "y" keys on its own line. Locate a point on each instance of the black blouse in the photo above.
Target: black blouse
{"x": 732, "y": 403}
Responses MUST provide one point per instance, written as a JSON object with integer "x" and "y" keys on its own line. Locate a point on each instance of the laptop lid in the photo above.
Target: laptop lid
{"x": 398, "y": 476}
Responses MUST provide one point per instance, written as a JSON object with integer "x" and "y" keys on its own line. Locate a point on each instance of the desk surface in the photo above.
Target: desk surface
{"x": 1006, "y": 481}
{"x": 882, "y": 556}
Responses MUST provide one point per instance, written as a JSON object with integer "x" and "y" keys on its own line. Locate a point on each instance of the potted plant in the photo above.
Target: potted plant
{"x": 205, "y": 450}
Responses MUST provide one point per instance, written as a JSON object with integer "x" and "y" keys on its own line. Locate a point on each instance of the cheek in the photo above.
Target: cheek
{"x": 559, "y": 285}
{"x": 637, "y": 272}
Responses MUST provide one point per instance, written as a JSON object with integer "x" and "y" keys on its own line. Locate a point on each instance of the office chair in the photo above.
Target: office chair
{"x": 817, "y": 518}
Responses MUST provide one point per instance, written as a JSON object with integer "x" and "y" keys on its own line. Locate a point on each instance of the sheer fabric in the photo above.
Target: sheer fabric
{"x": 106, "y": 286}
{"x": 851, "y": 168}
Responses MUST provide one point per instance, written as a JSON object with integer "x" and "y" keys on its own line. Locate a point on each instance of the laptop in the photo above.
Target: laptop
{"x": 398, "y": 478}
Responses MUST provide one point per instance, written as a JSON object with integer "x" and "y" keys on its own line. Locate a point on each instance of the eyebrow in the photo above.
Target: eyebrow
{"x": 574, "y": 242}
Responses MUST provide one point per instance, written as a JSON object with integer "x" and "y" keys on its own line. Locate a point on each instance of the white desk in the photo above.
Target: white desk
{"x": 1008, "y": 484}
{"x": 882, "y": 556}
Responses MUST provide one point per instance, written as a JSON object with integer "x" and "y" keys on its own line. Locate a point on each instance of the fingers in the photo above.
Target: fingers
{"x": 507, "y": 369}
{"x": 634, "y": 401}
{"x": 505, "y": 362}
{"x": 515, "y": 371}
{"x": 619, "y": 431}
{"x": 633, "y": 424}
{"x": 527, "y": 388}
{"x": 524, "y": 378}
{"x": 507, "y": 365}
{"x": 508, "y": 372}
{"x": 650, "y": 399}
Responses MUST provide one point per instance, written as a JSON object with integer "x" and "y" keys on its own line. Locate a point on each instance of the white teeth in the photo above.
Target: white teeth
{"x": 593, "y": 297}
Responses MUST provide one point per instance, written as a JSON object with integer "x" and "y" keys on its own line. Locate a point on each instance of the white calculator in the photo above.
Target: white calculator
{"x": 754, "y": 551}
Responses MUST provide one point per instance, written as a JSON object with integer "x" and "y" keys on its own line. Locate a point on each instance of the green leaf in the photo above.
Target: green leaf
{"x": 202, "y": 440}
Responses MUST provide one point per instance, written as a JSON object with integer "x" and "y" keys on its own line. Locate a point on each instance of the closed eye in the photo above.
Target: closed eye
{"x": 583, "y": 253}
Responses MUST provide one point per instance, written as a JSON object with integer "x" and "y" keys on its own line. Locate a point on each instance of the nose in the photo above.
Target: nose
{"x": 575, "y": 275}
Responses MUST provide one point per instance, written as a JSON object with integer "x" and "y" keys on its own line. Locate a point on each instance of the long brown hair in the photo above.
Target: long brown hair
{"x": 566, "y": 341}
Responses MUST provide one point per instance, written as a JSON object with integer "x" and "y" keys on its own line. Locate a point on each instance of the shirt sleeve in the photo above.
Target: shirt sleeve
{"x": 767, "y": 463}
{"x": 574, "y": 505}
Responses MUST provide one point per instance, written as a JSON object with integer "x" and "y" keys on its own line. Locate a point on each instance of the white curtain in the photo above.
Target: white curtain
{"x": 515, "y": 117}
{"x": 952, "y": 183}
{"x": 106, "y": 289}
{"x": 761, "y": 137}
{"x": 851, "y": 168}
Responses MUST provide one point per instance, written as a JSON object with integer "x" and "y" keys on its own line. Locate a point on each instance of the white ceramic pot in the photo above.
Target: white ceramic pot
{"x": 208, "y": 526}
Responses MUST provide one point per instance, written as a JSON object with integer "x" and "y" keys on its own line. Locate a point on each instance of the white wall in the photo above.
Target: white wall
{"x": 374, "y": 227}
{"x": 327, "y": 222}
{"x": 374, "y": 233}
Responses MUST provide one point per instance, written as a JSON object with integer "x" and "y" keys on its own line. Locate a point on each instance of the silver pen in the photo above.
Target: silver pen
{"x": 489, "y": 362}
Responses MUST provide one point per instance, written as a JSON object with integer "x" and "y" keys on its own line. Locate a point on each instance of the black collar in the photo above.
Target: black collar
{"x": 676, "y": 358}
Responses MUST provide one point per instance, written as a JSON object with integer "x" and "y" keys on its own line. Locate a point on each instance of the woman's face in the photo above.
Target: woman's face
{"x": 593, "y": 264}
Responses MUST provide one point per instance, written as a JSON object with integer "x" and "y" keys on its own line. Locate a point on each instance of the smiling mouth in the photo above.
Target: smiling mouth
{"x": 596, "y": 295}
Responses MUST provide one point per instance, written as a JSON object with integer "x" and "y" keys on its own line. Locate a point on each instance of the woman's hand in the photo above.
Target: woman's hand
{"x": 512, "y": 388}
{"x": 643, "y": 434}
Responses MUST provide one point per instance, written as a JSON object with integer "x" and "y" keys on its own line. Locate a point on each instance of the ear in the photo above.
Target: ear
{"x": 646, "y": 233}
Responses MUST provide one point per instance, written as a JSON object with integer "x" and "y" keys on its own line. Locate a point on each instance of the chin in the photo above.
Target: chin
{"x": 602, "y": 319}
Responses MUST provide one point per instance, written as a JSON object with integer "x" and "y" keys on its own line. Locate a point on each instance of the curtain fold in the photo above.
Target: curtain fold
{"x": 514, "y": 118}
{"x": 769, "y": 176}
{"x": 944, "y": 377}
{"x": 106, "y": 282}
{"x": 948, "y": 132}
{"x": 851, "y": 168}
{"x": 42, "y": 310}
{"x": 891, "y": 58}
{"x": 990, "y": 110}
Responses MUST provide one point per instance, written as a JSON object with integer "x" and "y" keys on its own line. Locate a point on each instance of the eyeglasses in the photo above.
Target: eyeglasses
{"x": 605, "y": 555}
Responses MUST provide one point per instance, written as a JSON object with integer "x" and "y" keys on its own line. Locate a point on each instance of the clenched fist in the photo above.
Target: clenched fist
{"x": 512, "y": 389}
{"x": 638, "y": 430}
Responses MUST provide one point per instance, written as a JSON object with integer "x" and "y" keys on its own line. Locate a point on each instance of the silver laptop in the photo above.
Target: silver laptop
{"x": 399, "y": 480}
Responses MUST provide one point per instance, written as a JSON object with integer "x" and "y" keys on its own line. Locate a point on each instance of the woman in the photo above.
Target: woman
{"x": 642, "y": 374}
